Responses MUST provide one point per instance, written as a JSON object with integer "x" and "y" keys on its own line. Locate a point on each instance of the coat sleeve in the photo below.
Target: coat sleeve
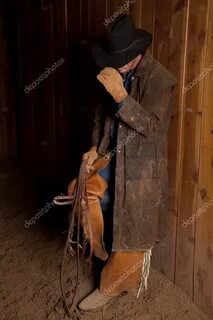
{"x": 97, "y": 126}
{"x": 146, "y": 117}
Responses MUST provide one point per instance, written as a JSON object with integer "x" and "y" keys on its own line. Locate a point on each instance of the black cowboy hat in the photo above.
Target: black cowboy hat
{"x": 121, "y": 43}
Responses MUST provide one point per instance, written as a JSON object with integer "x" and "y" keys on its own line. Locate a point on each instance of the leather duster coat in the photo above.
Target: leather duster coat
{"x": 141, "y": 181}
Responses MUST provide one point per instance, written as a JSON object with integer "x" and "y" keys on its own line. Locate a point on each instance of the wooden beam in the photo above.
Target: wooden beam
{"x": 143, "y": 14}
{"x": 162, "y": 27}
{"x": 165, "y": 251}
{"x": 190, "y": 132}
{"x": 203, "y": 263}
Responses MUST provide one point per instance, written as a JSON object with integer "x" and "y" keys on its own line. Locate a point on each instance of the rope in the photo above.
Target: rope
{"x": 79, "y": 200}
{"x": 63, "y": 200}
{"x": 145, "y": 271}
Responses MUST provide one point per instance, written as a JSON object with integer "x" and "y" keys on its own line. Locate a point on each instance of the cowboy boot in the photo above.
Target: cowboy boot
{"x": 94, "y": 300}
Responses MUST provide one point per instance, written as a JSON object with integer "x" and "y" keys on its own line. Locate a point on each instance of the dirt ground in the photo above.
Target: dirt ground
{"x": 30, "y": 262}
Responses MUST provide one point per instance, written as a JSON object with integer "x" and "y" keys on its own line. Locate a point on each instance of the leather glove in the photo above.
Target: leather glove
{"x": 90, "y": 156}
{"x": 113, "y": 82}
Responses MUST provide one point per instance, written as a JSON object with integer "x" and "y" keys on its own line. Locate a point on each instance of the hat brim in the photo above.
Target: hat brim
{"x": 104, "y": 58}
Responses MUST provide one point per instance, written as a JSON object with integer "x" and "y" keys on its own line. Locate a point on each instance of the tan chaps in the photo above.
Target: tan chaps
{"x": 122, "y": 272}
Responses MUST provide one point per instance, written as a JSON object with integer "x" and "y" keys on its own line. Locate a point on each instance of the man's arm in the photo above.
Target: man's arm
{"x": 148, "y": 115}
{"x": 145, "y": 117}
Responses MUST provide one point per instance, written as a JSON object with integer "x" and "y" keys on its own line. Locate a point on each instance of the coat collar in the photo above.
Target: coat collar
{"x": 147, "y": 62}
{"x": 161, "y": 78}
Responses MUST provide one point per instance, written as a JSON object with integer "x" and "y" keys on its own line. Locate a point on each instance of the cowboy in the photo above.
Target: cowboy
{"x": 130, "y": 127}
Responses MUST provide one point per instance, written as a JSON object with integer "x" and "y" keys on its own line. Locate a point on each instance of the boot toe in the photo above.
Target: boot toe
{"x": 94, "y": 301}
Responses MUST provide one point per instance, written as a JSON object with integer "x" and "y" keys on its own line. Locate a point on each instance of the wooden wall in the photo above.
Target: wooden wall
{"x": 52, "y": 116}
{"x": 7, "y": 106}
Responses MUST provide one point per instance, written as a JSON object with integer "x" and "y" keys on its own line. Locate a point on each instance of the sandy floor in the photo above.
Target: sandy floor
{"x": 30, "y": 261}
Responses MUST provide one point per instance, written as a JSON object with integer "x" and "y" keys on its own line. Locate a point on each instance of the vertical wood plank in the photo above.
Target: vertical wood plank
{"x": 98, "y": 15}
{"x": 48, "y": 138}
{"x": 74, "y": 20}
{"x": 203, "y": 275}
{"x": 74, "y": 67}
{"x": 190, "y": 147}
{"x": 148, "y": 15}
{"x": 8, "y": 151}
{"x": 61, "y": 88}
{"x": 114, "y": 5}
{"x": 162, "y": 27}
{"x": 3, "y": 102}
{"x": 27, "y": 52}
{"x": 165, "y": 251}
{"x": 136, "y": 11}
{"x": 143, "y": 13}
{"x": 161, "y": 41}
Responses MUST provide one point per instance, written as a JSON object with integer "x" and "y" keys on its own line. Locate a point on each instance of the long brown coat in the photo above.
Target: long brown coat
{"x": 141, "y": 155}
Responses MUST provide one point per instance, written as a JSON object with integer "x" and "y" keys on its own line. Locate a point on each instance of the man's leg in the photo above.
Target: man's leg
{"x": 96, "y": 299}
{"x": 122, "y": 272}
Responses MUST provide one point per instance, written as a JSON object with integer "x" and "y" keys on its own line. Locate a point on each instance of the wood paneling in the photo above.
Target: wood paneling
{"x": 143, "y": 13}
{"x": 195, "y": 46}
{"x": 203, "y": 261}
{"x": 113, "y": 6}
{"x": 162, "y": 28}
{"x": 7, "y": 106}
{"x": 98, "y": 14}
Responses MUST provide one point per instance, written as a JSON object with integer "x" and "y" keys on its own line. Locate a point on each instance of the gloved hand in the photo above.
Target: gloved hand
{"x": 90, "y": 156}
{"x": 113, "y": 82}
